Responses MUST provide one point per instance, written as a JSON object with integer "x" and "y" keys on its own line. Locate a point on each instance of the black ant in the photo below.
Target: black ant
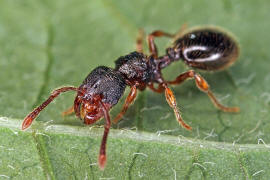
{"x": 207, "y": 49}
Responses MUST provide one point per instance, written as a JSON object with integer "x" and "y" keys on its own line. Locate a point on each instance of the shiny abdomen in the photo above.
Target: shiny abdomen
{"x": 207, "y": 49}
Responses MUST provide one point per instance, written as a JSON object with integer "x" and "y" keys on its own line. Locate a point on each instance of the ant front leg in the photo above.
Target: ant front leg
{"x": 102, "y": 152}
{"x": 131, "y": 97}
{"x": 204, "y": 87}
{"x": 151, "y": 43}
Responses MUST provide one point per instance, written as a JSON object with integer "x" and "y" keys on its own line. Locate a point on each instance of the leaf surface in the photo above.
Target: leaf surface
{"x": 48, "y": 44}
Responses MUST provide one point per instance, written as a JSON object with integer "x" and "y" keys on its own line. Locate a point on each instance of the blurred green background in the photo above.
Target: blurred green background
{"x": 48, "y": 44}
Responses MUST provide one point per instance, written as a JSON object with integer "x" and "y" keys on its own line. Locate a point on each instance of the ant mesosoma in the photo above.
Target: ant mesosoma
{"x": 207, "y": 49}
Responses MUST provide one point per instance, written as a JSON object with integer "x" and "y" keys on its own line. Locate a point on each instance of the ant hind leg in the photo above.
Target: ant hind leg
{"x": 151, "y": 37}
{"x": 202, "y": 85}
{"x": 159, "y": 89}
{"x": 181, "y": 31}
{"x": 151, "y": 43}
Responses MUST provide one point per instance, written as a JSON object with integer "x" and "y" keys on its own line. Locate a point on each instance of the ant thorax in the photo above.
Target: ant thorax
{"x": 106, "y": 82}
{"x": 134, "y": 67}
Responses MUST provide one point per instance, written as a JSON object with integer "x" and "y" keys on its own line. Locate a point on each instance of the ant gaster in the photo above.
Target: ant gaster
{"x": 207, "y": 49}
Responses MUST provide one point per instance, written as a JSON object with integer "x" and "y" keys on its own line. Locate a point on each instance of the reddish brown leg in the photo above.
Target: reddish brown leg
{"x": 131, "y": 97}
{"x": 102, "y": 153}
{"x": 182, "y": 77}
{"x": 160, "y": 88}
{"x": 204, "y": 87}
{"x": 151, "y": 43}
{"x": 77, "y": 107}
{"x": 139, "y": 41}
{"x": 30, "y": 117}
{"x": 172, "y": 102}
{"x": 69, "y": 111}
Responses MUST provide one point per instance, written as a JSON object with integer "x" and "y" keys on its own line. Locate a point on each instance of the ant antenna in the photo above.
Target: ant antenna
{"x": 31, "y": 116}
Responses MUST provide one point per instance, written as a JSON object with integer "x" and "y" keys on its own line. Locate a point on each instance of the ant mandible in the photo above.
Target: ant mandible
{"x": 206, "y": 48}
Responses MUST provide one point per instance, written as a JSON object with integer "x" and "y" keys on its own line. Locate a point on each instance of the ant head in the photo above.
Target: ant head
{"x": 88, "y": 106}
{"x": 102, "y": 86}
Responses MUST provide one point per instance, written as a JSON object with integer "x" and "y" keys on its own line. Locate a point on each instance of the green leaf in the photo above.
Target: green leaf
{"x": 48, "y": 44}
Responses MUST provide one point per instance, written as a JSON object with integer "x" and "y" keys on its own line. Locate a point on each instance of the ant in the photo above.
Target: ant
{"x": 206, "y": 48}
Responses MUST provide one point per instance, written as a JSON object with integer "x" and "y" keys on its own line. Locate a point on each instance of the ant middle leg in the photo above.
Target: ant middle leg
{"x": 172, "y": 102}
{"x": 202, "y": 85}
{"x": 159, "y": 89}
{"x": 130, "y": 99}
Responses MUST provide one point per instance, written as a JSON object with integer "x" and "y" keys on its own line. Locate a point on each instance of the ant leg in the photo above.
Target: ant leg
{"x": 160, "y": 88}
{"x": 151, "y": 44}
{"x": 77, "y": 107}
{"x": 68, "y": 111}
{"x": 172, "y": 102}
{"x": 182, "y": 77}
{"x": 139, "y": 41}
{"x": 204, "y": 87}
{"x": 131, "y": 97}
{"x": 181, "y": 31}
{"x": 102, "y": 152}
{"x": 31, "y": 116}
